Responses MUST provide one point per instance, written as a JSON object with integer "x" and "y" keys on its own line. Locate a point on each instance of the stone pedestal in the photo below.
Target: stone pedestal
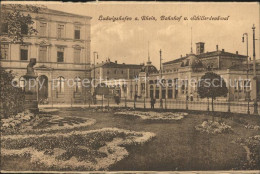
{"x": 31, "y": 102}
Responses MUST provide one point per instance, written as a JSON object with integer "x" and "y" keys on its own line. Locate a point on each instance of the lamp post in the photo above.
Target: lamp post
{"x": 94, "y": 92}
{"x": 247, "y": 71}
{"x": 254, "y": 67}
{"x": 161, "y": 101}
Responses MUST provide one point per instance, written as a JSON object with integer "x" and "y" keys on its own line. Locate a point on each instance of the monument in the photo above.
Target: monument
{"x": 31, "y": 102}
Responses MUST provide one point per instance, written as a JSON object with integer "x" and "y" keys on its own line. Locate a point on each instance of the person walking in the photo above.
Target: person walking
{"x": 152, "y": 103}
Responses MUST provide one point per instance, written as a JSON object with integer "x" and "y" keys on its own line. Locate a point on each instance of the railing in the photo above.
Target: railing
{"x": 219, "y": 106}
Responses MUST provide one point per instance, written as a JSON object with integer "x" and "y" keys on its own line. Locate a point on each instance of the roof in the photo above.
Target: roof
{"x": 45, "y": 10}
{"x": 175, "y": 60}
{"x": 149, "y": 68}
{"x": 219, "y": 53}
{"x": 207, "y": 54}
{"x": 116, "y": 65}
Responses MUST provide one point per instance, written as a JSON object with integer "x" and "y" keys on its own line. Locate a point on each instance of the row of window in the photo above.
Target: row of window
{"x": 42, "y": 30}
{"x": 242, "y": 85}
{"x": 42, "y": 53}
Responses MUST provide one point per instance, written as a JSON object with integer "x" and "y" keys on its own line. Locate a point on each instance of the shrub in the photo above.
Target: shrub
{"x": 12, "y": 98}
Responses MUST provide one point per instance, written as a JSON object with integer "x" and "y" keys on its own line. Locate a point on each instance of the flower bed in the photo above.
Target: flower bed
{"x": 108, "y": 109}
{"x": 16, "y": 120}
{"x": 86, "y": 150}
{"x": 45, "y": 123}
{"x": 252, "y": 148}
{"x": 215, "y": 127}
{"x": 255, "y": 127}
{"x": 149, "y": 115}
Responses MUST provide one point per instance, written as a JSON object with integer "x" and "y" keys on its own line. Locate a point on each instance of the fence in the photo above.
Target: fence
{"x": 221, "y": 106}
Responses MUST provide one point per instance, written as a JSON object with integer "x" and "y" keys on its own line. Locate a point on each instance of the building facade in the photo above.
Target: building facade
{"x": 122, "y": 79}
{"x": 178, "y": 78}
{"x": 62, "y": 50}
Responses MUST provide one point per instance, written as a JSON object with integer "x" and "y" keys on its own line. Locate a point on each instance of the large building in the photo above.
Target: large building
{"x": 180, "y": 76}
{"x": 62, "y": 50}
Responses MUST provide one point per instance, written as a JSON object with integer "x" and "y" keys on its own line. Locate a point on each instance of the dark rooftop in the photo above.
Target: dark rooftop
{"x": 207, "y": 54}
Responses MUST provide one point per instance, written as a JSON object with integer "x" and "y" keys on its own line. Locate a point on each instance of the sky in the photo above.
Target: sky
{"x": 127, "y": 41}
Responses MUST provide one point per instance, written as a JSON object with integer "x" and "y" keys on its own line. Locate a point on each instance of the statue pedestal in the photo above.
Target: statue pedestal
{"x": 31, "y": 102}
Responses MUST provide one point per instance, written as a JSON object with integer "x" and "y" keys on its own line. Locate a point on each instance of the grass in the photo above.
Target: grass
{"x": 177, "y": 146}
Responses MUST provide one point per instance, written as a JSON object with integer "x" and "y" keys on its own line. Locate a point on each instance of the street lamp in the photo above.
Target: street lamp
{"x": 94, "y": 92}
{"x": 254, "y": 67}
{"x": 161, "y": 101}
{"x": 247, "y": 71}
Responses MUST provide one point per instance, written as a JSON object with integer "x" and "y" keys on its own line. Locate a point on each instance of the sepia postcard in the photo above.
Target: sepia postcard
{"x": 130, "y": 87}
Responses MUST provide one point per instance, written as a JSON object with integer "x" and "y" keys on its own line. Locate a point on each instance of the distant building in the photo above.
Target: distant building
{"x": 112, "y": 70}
{"x": 179, "y": 74}
{"x": 122, "y": 79}
{"x": 62, "y": 50}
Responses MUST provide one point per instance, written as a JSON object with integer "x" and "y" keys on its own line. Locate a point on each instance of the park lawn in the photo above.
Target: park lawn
{"x": 177, "y": 145}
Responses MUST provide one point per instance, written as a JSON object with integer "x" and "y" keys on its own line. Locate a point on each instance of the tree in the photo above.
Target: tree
{"x": 12, "y": 98}
{"x": 15, "y": 23}
{"x": 212, "y": 86}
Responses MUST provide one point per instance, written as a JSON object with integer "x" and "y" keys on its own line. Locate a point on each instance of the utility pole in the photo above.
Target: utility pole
{"x": 247, "y": 71}
{"x": 94, "y": 92}
{"x": 161, "y": 101}
{"x": 254, "y": 67}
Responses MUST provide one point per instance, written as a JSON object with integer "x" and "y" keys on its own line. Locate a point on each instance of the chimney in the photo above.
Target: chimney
{"x": 116, "y": 61}
{"x": 216, "y": 47}
{"x": 223, "y": 50}
{"x": 236, "y": 52}
{"x": 200, "y": 47}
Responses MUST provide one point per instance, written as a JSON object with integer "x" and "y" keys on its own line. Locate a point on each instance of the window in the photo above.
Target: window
{"x": 77, "y": 32}
{"x": 169, "y": 83}
{"x": 4, "y": 28}
{"x": 247, "y": 85}
{"x": 60, "y": 84}
{"x": 61, "y": 32}
{"x": 77, "y": 55}
{"x": 240, "y": 85}
{"x": 122, "y": 72}
{"x": 24, "y": 52}
{"x": 24, "y": 29}
{"x": 43, "y": 29}
{"x": 4, "y": 51}
{"x": 235, "y": 85}
{"x": 142, "y": 86}
{"x": 43, "y": 53}
{"x": 22, "y": 83}
{"x": 107, "y": 71}
{"x": 60, "y": 55}
{"x": 115, "y": 72}
{"x": 77, "y": 84}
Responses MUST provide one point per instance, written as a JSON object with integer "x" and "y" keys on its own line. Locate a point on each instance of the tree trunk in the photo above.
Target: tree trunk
{"x": 212, "y": 105}
{"x": 212, "y": 108}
